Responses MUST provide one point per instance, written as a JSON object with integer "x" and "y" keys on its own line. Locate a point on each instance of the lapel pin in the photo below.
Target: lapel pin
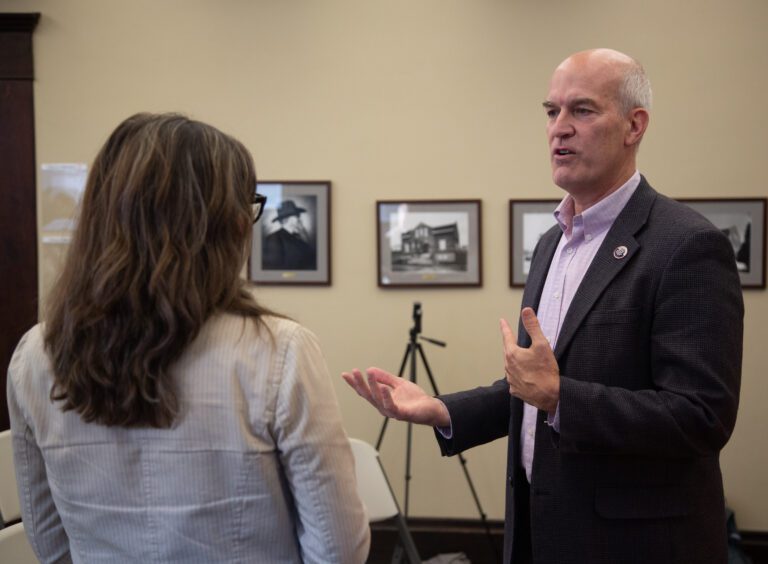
{"x": 620, "y": 252}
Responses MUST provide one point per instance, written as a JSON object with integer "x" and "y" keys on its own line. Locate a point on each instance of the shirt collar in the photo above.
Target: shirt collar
{"x": 599, "y": 217}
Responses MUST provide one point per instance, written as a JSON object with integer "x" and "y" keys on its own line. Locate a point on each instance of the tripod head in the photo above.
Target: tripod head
{"x": 416, "y": 315}
{"x": 416, "y": 329}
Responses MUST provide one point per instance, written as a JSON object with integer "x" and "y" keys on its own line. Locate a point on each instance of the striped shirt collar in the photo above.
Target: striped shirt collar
{"x": 599, "y": 217}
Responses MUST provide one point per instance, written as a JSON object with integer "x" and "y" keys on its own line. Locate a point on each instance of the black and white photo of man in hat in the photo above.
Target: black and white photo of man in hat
{"x": 290, "y": 246}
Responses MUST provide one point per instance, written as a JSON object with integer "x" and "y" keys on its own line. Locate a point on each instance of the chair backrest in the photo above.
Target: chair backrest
{"x": 372, "y": 484}
{"x": 379, "y": 500}
{"x": 14, "y": 546}
{"x": 9, "y": 495}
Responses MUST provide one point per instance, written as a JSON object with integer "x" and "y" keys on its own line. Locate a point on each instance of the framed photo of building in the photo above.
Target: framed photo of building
{"x": 292, "y": 241}
{"x": 743, "y": 222}
{"x": 429, "y": 243}
{"x": 528, "y": 221}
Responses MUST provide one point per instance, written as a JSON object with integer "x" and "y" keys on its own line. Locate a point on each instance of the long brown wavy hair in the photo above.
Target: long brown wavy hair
{"x": 163, "y": 234}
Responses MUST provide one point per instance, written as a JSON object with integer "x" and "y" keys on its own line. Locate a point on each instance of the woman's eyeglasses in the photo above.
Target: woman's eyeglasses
{"x": 257, "y": 205}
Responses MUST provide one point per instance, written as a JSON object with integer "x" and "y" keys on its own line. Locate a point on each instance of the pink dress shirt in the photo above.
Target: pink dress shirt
{"x": 582, "y": 236}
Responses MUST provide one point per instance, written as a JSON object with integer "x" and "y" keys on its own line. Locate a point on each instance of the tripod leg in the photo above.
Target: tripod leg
{"x": 411, "y": 346}
{"x": 462, "y": 461}
{"x": 408, "y": 351}
{"x": 407, "y": 469}
{"x": 381, "y": 433}
{"x": 429, "y": 370}
{"x": 397, "y": 554}
{"x": 406, "y": 541}
{"x": 386, "y": 419}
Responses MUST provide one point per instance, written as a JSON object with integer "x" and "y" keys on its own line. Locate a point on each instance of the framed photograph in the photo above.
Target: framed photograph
{"x": 292, "y": 240}
{"x": 743, "y": 221}
{"x": 528, "y": 221}
{"x": 429, "y": 243}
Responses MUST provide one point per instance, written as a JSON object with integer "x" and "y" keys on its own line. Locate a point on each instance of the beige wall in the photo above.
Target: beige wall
{"x": 421, "y": 99}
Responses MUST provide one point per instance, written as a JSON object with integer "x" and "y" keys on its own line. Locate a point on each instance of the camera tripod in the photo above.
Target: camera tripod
{"x": 410, "y": 357}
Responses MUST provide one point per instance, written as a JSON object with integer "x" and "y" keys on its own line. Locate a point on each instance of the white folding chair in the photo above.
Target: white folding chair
{"x": 14, "y": 546}
{"x": 9, "y": 496}
{"x": 377, "y": 496}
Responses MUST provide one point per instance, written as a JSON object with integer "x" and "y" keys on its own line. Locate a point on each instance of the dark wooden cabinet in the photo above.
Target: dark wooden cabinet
{"x": 18, "y": 215}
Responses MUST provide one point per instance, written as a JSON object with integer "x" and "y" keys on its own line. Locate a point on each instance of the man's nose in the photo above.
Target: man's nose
{"x": 561, "y": 127}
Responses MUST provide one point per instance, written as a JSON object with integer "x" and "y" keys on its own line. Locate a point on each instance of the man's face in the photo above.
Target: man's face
{"x": 587, "y": 133}
{"x": 292, "y": 224}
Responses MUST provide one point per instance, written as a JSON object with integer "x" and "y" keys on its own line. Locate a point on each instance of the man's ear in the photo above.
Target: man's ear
{"x": 638, "y": 123}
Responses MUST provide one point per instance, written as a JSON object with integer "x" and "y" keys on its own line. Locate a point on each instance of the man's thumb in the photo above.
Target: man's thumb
{"x": 531, "y": 324}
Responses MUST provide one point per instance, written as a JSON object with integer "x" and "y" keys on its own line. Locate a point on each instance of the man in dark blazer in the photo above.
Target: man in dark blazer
{"x": 621, "y": 390}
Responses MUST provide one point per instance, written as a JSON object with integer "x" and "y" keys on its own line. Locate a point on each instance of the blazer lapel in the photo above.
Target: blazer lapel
{"x": 610, "y": 259}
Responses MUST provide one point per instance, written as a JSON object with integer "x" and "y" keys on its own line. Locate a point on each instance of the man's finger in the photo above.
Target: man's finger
{"x": 350, "y": 379}
{"x": 507, "y": 335}
{"x": 373, "y": 385}
{"x": 531, "y": 324}
{"x": 387, "y": 402}
{"x": 383, "y": 377}
{"x": 357, "y": 382}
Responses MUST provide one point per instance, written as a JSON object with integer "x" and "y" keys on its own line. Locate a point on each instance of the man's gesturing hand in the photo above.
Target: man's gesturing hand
{"x": 398, "y": 398}
{"x": 532, "y": 373}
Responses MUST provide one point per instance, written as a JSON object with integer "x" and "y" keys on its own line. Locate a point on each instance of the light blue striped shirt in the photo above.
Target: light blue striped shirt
{"x": 257, "y": 467}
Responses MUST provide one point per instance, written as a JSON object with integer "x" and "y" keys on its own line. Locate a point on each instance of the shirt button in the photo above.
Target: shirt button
{"x": 569, "y": 251}
{"x": 588, "y": 237}
{"x": 557, "y": 295}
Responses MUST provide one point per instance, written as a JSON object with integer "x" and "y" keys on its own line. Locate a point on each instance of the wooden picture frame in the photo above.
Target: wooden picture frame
{"x": 743, "y": 222}
{"x": 429, "y": 243}
{"x": 528, "y": 221}
{"x": 291, "y": 242}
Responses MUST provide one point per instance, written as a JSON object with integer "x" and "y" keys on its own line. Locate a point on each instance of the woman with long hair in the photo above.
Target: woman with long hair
{"x": 159, "y": 413}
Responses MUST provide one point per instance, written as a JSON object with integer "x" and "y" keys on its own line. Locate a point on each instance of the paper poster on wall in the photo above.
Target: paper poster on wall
{"x": 61, "y": 188}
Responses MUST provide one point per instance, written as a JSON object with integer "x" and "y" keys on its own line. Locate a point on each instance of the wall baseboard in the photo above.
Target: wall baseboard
{"x": 755, "y": 544}
{"x": 445, "y": 536}
{"x": 441, "y": 536}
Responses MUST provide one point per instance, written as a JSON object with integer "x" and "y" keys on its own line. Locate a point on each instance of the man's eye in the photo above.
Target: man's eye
{"x": 551, "y": 113}
{"x": 582, "y": 111}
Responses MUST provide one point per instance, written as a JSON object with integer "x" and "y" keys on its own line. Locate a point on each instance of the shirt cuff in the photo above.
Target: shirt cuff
{"x": 446, "y": 432}
{"x": 554, "y": 420}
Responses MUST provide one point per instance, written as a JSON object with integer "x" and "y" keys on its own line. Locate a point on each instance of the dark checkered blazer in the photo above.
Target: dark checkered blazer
{"x": 650, "y": 358}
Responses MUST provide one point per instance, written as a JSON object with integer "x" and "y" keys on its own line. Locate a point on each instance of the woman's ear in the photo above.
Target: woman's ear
{"x": 244, "y": 226}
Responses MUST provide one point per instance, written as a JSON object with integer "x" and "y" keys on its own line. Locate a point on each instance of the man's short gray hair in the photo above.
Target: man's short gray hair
{"x": 635, "y": 90}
